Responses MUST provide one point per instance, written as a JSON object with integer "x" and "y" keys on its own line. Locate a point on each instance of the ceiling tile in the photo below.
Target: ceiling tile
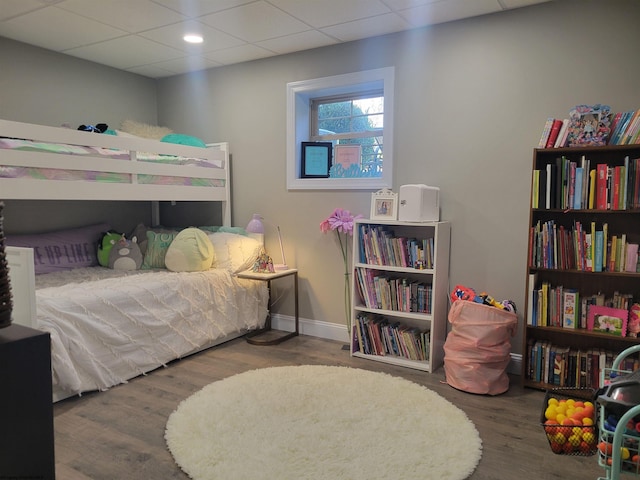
{"x": 171, "y": 35}
{"x": 297, "y": 42}
{"x": 11, "y": 8}
{"x": 521, "y": 3}
{"x": 368, "y": 27}
{"x": 404, "y": 4}
{"x": 131, "y": 16}
{"x": 255, "y": 22}
{"x": 56, "y": 29}
{"x": 126, "y": 52}
{"x": 331, "y": 12}
{"x": 186, "y": 64}
{"x": 243, "y": 53}
{"x": 197, "y": 8}
{"x": 151, "y": 71}
{"x": 440, "y": 12}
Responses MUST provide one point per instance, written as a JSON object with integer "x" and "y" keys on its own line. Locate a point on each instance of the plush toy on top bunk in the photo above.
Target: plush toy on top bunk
{"x": 98, "y": 128}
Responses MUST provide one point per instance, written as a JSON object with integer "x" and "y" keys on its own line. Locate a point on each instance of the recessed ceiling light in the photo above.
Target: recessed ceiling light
{"x": 192, "y": 38}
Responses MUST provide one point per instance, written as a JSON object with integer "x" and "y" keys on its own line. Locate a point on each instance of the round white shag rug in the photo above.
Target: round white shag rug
{"x": 321, "y": 422}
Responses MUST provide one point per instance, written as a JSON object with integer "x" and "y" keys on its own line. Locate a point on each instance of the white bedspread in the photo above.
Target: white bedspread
{"x": 106, "y": 331}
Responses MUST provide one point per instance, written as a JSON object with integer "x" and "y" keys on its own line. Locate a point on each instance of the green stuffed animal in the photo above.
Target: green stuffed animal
{"x": 104, "y": 246}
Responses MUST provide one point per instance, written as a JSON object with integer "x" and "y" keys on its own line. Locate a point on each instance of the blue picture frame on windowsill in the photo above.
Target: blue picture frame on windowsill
{"x": 316, "y": 159}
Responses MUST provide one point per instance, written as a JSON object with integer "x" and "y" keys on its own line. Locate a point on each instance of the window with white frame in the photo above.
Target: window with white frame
{"x": 354, "y": 112}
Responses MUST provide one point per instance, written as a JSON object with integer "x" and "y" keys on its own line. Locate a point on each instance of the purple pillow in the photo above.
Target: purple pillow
{"x": 64, "y": 249}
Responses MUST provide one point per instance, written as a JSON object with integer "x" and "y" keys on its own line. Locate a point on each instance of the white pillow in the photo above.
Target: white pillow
{"x": 234, "y": 252}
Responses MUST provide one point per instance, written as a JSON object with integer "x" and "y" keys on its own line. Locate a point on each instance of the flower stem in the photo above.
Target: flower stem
{"x": 344, "y": 249}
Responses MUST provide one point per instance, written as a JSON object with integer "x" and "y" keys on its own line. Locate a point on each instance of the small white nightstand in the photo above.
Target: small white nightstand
{"x": 272, "y": 338}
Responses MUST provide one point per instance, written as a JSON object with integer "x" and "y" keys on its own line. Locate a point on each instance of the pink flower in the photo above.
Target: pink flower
{"x": 340, "y": 220}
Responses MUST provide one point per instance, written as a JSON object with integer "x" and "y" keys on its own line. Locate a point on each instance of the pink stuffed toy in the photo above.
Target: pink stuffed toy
{"x": 633, "y": 326}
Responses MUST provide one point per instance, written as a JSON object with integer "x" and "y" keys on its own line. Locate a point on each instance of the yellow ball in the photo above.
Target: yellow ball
{"x": 552, "y": 401}
{"x": 589, "y": 437}
{"x": 574, "y": 440}
{"x": 560, "y": 418}
{"x": 550, "y": 412}
{"x": 587, "y": 421}
{"x": 624, "y": 453}
{"x": 559, "y": 438}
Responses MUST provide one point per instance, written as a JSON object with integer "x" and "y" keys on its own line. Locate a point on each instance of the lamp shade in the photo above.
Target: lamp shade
{"x": 255, "y": 225}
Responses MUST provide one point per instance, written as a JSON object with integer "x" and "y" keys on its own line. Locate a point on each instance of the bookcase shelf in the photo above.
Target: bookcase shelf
{"x": 580, "y": 352}
{"x": 404, "y": 320}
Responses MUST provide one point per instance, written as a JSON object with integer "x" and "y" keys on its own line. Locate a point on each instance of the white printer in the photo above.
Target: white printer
{"x": 419, "y": 203}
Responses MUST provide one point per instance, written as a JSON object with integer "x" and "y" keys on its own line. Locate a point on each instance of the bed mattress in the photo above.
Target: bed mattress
{"x": 104, "y": 176}
{"x": 108, "y": 326}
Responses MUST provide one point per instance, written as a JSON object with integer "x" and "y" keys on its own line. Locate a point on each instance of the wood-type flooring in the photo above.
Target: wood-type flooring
{"x": 119, "y": 434}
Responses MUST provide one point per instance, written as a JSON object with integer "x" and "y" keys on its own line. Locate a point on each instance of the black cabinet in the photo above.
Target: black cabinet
{"x": 26, "y": 407}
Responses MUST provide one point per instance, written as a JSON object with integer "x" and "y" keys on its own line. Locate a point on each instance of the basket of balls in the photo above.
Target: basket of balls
{"x": 569, "y": 421}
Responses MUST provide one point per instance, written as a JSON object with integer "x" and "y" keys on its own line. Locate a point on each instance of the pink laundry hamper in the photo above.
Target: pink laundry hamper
{"x": 477, "y": 350}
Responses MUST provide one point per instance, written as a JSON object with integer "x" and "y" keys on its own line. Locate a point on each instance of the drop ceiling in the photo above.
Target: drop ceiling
{"x": 145, "y": 36}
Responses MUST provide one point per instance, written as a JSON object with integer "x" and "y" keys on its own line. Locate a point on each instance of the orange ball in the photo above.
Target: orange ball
{"x": 605, "y": 448}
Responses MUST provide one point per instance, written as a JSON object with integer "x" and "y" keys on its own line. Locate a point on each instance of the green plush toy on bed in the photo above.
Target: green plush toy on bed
{"x": 125, "y": 254}
{"x": 104, "y": 246}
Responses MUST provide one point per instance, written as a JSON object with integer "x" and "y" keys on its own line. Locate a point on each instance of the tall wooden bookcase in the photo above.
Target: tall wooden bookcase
{"x": 577, "y": 341}
{"x": 402, "y": 320}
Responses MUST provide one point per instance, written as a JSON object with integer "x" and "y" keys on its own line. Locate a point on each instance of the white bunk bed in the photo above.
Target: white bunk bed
{"x": 109, "y": 326}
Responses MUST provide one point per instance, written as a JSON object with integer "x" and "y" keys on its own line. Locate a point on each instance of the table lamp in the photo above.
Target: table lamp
{"x": 256, "y": 226}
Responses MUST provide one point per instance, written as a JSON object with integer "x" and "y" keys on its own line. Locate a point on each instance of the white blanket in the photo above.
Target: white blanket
{"x": 106, "y": 331}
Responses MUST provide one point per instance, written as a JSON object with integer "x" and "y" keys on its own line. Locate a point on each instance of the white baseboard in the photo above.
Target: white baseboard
{"x": 314, "y": 328}
{"x": 333, "y": 331}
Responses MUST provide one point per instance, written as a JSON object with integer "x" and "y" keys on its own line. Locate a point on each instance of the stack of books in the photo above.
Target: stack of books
{"x": 568, "y": 184}
{"x": 380, "y": 291}
{"x": 379, "y": 246}
{"x": 591, "y": 126}
{"x": 376, "y": 335}
{"x": 626, "y": 128}
{"x": 587, "y": 248}
{"x": 571, "y": 368}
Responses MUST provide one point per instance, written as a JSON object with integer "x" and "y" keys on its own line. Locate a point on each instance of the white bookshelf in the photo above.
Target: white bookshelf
{"x": 435, "y": 321}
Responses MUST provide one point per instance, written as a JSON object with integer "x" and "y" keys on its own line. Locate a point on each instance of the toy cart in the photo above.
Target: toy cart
{"x": 619, "y": 419}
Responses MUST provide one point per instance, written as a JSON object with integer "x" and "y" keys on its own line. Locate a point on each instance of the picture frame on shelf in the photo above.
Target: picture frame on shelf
{"x": 316, "y": 159}
{"x": 347, "y": 155}
{"x": 384, "y": 205}
{"x": 612, "y": 321}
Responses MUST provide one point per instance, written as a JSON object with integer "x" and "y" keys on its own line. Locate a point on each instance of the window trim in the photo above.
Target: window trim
{"x": 298, "y": 126}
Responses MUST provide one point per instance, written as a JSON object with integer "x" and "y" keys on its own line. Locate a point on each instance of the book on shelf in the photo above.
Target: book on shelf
{"x": 562, "y": 135}
{"x": 570, "y": 308}
{"x": 546, "y": 130}
{"x": 631, "y": 262}
{"x": 589, "y": 125}
{"x": 601, "y": 185}
{"x": 531, "y": 288}
{"x": 577, "y": 196}
{"x": 553, "y": 133}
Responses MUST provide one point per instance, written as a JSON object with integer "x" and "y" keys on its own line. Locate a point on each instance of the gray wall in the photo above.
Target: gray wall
{"x": 47, "y": 88}
{"x": 471, "y": 99}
